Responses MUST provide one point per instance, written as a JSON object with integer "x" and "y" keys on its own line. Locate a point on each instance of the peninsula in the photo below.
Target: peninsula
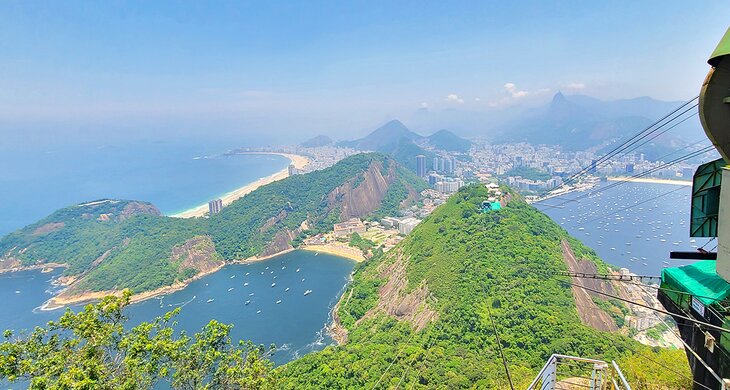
{"x": 110, "y": 245}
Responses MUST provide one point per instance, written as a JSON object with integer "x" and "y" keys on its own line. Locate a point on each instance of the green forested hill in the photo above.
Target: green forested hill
{"x": 418, "y": 316}
{"x": 112, "y": 244}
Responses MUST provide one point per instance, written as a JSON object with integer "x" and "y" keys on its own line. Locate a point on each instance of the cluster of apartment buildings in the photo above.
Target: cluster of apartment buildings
{"x": 487, "y": 159}
{"x": 215, "y": 206}
{"x": 403, "y": 225}
{"x": 520, "y": 183}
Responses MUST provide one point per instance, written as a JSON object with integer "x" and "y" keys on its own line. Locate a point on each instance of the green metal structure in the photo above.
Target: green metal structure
{"x": 722, "y": 49}
{"x": 706, "y": 199}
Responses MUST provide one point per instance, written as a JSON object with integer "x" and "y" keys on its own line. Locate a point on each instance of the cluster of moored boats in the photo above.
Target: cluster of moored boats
{"x": 605, "y": 215}
{"x": 273, "y": 284}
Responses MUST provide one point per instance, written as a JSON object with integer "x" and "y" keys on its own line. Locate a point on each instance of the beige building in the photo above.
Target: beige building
{"x": 354, "y": 225}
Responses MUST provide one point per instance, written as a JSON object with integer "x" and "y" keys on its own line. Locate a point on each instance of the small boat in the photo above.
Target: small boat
{"x": 248, "y": 273}
{"x": 283, "y": 267}
{"x": 267, "y": 267}
{"x": 250, "y": 295}
{"x": 273, "y": 284}
{"x": 258, "y": 312}
{"x": 230, "y": 289}
{"x": 644, "y": 263}
{"x": 233, "y": 276}
{"x": 274, "y": 277}
{"x": 297, "y": 269}
{"x": 17, "y": 291}
{"x": 278, "y": 302}
{"x": 247, "y": 302}
{"x": 581, "y": 228}
{"x": 316, "y": 253}
{"x": 665, "y": 262}
{"x": 210, "y": 300}
{"x": 245, "y": 284}
{"x": 663, "y": 240}
{"x": 613, "y": 249}
{"x": 307, "y": 292}
{"x": 302, "y": 279}
{"x": 286, "y": 289}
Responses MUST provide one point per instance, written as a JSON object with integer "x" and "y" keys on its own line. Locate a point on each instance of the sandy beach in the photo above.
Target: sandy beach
{"x": 200, "y": 211}
{"x": 337, "y": 249}
{"x": 62, "y": 300}
{"x": 652, "y": 180}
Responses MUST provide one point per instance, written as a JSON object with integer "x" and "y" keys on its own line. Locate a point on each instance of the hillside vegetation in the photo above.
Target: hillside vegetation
{"x": 115, "y": 244}
{"x": 419, "y": 316}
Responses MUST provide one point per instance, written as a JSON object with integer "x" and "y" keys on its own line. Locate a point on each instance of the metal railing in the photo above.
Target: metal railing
{"x": 602, "y": 375}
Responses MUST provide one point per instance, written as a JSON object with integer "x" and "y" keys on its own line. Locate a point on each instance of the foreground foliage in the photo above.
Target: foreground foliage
{"x": 93, "y": 350}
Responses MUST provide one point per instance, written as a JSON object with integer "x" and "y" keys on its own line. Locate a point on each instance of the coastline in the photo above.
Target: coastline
{"x": 59, "y": 301}
{"x": 200, "y": 211}
{"x": 652, "y": 180}
{"x": 45, "y": 268}
{"x": 335, "y": 249}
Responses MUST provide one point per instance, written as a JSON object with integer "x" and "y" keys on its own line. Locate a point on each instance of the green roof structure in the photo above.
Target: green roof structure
{"x": 699, "y": 279}
{"x": 722, "y": 49}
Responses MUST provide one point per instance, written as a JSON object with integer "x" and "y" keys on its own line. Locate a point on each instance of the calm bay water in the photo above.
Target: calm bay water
{"x": 174, "y": 176}
{"x": 296, "y": 325}
{"x": 639, "y": 238}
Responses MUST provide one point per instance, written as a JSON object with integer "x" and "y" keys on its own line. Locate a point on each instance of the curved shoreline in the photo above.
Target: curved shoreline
{"x": 651, "y": 180}
{"x": 58, "y": 301}
{"x": 299, "y": 162}
{"x": 345, "y": 251}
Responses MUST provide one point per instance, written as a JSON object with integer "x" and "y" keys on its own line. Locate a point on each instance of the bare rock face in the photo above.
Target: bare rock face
{"x": 590, "y": 314}
{"x": 273, "y": 221}
{"x": 48, "y": 228}
{"x": 134, "y": 208}
{"x": 9, "y": 264}
{"x": 281, "y": 242}
{"x": 366, "y": 197}
{"x": 394, "y": 301}
{"x": 196, "y": 253}
{"x": 364, "y": 194}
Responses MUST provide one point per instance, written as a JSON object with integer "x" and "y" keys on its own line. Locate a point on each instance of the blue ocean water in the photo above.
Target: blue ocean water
{"x": 173, "y": 175}
{"x": 633, "y": 225}
{"x": 296, "y": 325}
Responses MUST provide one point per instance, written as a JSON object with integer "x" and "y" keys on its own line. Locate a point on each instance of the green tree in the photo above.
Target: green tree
{"x": 92, "y": 350}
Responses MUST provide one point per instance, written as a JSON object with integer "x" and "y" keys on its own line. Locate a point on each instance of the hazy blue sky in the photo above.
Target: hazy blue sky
{"x": 311, "y": 66}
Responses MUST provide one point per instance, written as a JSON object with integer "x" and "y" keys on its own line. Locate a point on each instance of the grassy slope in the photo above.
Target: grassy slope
{"x": 471, "y": 263}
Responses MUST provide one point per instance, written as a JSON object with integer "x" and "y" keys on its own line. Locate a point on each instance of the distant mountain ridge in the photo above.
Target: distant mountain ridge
{"x": 320, "y": 140}
{"x": 574, "y": 122}
{"x": 397, "y": 140}
{"x": 384, "y": 136}
{"x": 448, "y": 141}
